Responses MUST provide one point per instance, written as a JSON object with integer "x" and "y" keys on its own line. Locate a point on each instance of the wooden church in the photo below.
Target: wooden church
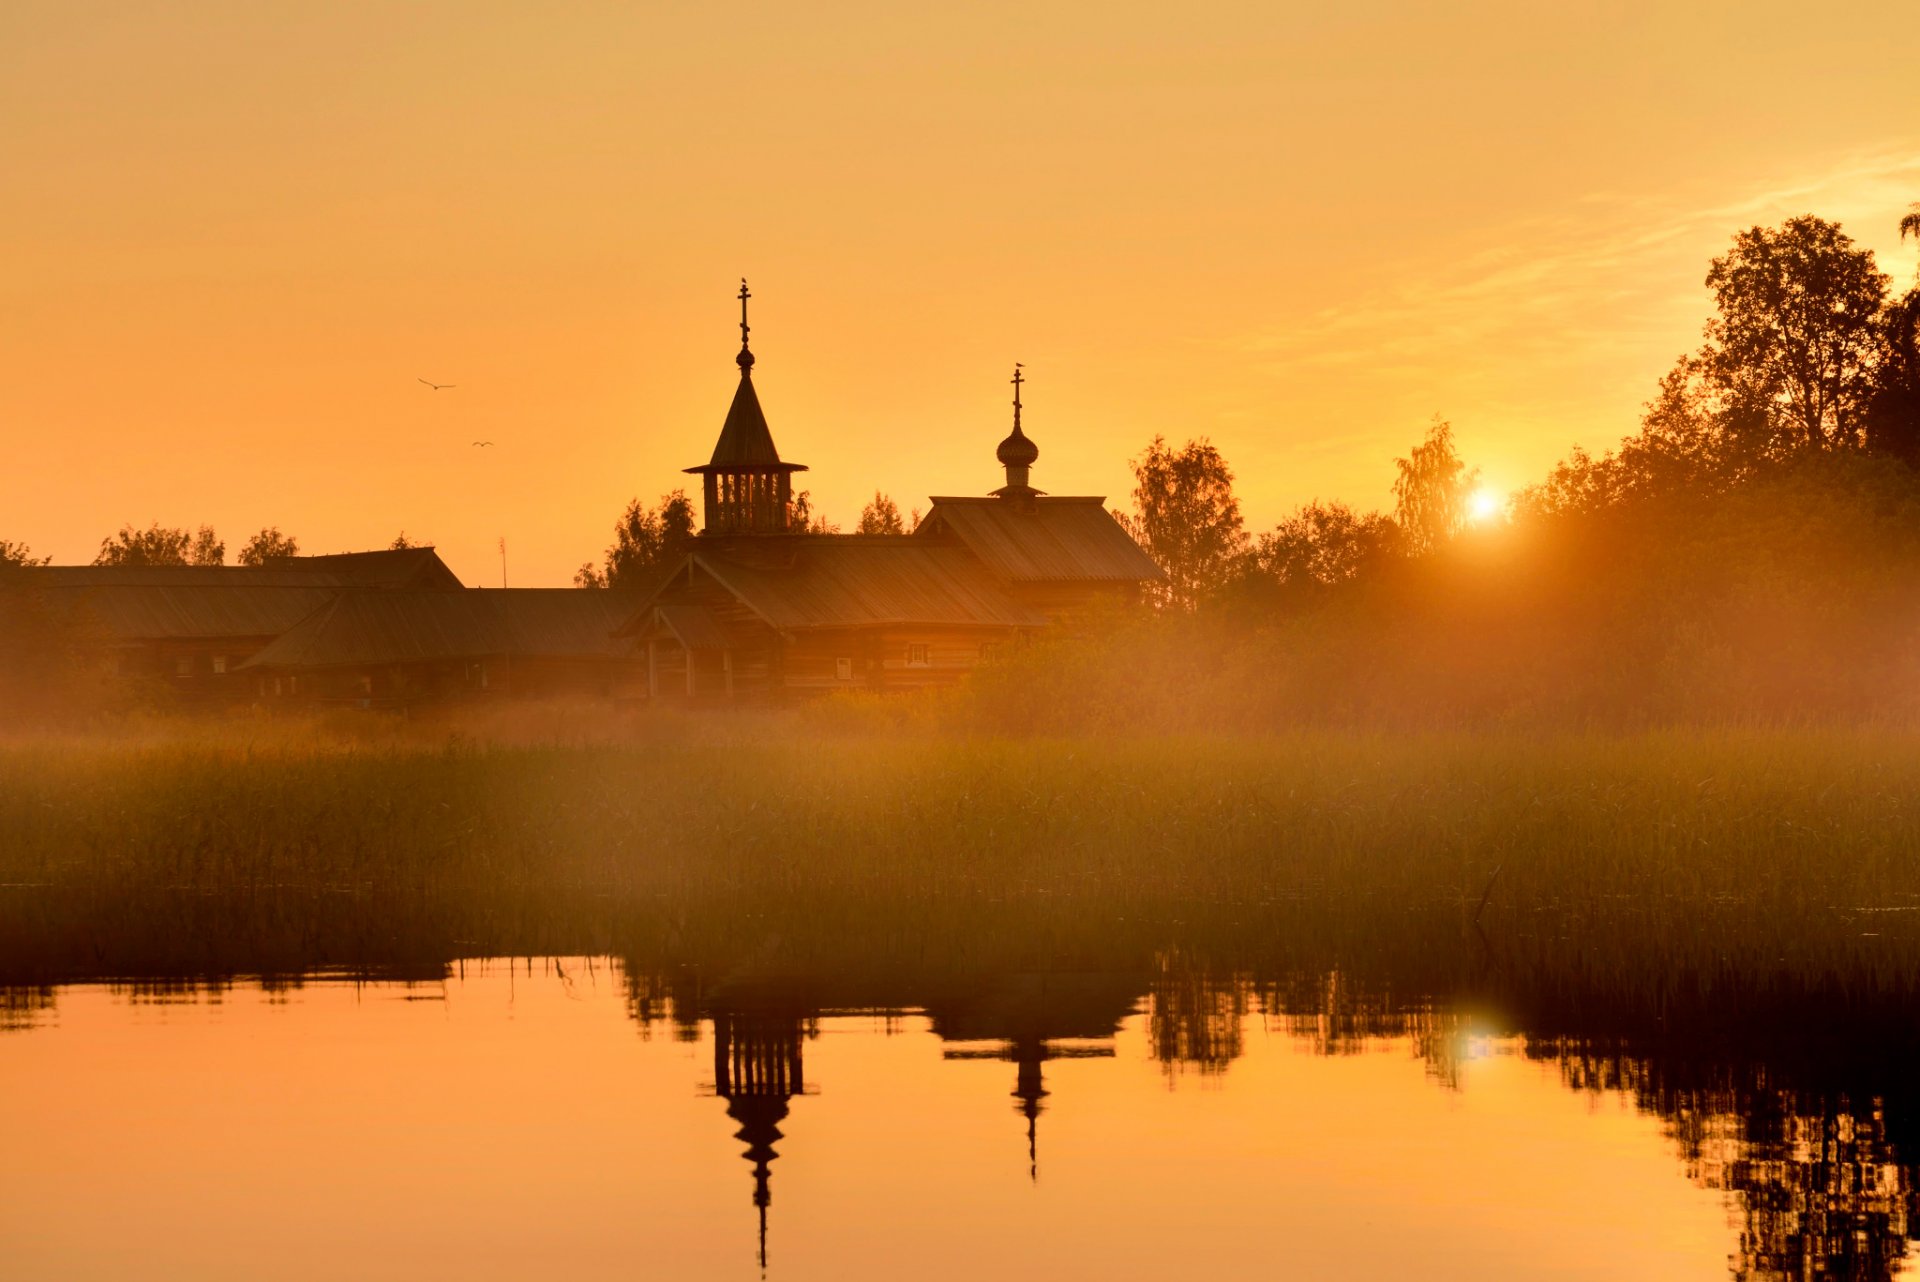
{"x": 757, "y": 605}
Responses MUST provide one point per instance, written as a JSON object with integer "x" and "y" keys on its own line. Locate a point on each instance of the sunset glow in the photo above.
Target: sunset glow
{"x": 248, "y": 231}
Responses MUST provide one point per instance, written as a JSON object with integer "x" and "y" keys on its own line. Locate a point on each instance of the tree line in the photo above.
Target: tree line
{"x": 176, "y": 545}
{"x": 1809, "y": 353}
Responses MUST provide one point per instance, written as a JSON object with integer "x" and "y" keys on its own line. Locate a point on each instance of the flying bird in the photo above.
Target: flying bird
{"x": 483, "y": 444}
{"x": 436, "y": 386}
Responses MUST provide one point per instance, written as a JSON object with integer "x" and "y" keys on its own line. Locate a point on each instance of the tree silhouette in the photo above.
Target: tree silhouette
{"x": 1795, "y": 343}
{"x": 1187, "y": 519}
{"x": 643, "y": 537}
{"x": 268, "y": 545}
{"x": 1323, "y": 544}
{"x": 160, "y": 545}
{"x": 801, "y": 517}
{"x": 1430, "y": 493}
{"x": 15, "y": 555}
{"x": 882, "y": 516}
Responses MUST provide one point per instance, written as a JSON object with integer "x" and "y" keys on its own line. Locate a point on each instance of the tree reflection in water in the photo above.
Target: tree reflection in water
{"x": 1791, "y": 1097}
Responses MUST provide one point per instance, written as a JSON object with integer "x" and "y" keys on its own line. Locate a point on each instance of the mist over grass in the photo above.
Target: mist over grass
{"x": 1650, "y": 857}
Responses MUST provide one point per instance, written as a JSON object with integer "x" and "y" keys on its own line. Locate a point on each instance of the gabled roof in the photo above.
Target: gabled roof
{"x": 278, "y": 574}
{"x": 855, "y": 580}
{"x": 419, "y": 567}
{"x": 198, "y": 608}
{"x": 746, "y": 442}
{"x": 691, "y": 624}
{"x": 404, "y": 626}
{"x": 388, "y": 568}
{"x": 1043, "y": 540}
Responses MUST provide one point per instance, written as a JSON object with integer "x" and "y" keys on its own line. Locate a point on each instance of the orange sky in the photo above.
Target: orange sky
{"x": 234, "y": 236}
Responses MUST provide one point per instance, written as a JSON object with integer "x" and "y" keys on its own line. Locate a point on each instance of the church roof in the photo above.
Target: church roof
{"x": 853, "y": 580}
{"x": 1044, "y": 540}
{"x": 746, "y": 442}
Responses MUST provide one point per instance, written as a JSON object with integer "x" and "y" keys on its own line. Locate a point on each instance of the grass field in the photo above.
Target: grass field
{"x": 1742, "y": 852}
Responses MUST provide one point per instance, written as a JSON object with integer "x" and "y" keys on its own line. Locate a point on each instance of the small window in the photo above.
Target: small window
{"x": 988, "y": 649}
{"x": 183, "y": 666}
{"x": 917, "y": 655}
{"x": 366, "y": 685}
{"x": 277, "y": 691}
{"x": 293, "y": 685}
{"x": 219, "y": 664}
{"x": 843, "y": 669}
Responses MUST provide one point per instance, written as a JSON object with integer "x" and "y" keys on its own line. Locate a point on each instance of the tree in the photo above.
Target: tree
{"x": 1323, "y": 544}
{"x": 643, "y": 537}
{"x": 15, "y": 555}
{"x": 1430, "y": 493}
{"x": 1187, "y": 519}
{"x": 882, "y": 516}
{"x": 401, "y": 543}
{"x": 800, "y": 517}
{"x": 1893, "y": 411}
{"x": 159, "y": 545}
{"x": 1795, "y": 341}
{"x": 268, "y": 545}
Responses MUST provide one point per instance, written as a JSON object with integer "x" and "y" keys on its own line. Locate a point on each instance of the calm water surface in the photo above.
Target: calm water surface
{"x": 569, "y": 1119}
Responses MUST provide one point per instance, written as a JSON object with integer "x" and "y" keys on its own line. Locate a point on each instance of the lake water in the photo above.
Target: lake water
{"x": 570, "y": 1119}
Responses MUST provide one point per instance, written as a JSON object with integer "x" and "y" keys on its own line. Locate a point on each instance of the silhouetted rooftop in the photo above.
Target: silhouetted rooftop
{"x": 1043, "y": 539}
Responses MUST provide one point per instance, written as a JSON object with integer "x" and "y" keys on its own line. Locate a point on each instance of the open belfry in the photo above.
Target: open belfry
{"x": 759, "y": 605}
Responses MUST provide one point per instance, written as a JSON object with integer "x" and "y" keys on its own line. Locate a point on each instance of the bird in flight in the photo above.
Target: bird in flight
{"x": 483, "y": 443}
{"x": 436, "y": 386}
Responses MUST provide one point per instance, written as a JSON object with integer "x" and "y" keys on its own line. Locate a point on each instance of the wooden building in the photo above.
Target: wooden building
{"x": 755, "y": 606}
{"x": 187, "y": 629}
{"x": 372, "y": 649}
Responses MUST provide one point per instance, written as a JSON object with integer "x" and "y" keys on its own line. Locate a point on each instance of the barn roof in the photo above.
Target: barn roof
{"x": 278, "y": 574}
{"x": 148, "y": 611}
{"x": 1044, "y": 539}
{"x": 692, "y": 624}
{"x": 385, "y": 627}
{"x": 418, "y": 567}
{"x": 853, "y": 580}
{"x": 388, "y": 568}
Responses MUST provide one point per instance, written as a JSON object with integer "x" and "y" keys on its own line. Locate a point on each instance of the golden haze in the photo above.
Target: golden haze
{"x": 237, "y": 234}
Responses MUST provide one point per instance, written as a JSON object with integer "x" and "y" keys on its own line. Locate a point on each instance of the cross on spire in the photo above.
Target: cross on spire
{"x": 745, "y": 360}
{"x": 1018, "y": 378}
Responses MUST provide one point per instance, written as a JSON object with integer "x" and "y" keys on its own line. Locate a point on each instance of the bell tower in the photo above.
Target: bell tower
{"x": 745, "y": 487}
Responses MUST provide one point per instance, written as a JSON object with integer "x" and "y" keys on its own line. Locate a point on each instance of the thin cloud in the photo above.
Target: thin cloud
{"x": 1618, "y": 274}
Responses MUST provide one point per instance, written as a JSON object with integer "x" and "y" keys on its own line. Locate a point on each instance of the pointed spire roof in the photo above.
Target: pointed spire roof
{"x": 746, "y": 443}
{"x": 745, "y": 440}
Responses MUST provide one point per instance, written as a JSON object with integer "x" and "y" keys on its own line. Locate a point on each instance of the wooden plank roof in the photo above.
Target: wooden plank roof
{"x": 279, "y": 574}
{"x": 853, "y": 580}
{"x": 692, "y": 625}
{"x": 417, "y": 567}
{"x": 1047, "y": 540}
{"x": 388, "y": 568}
{"x": 195, "y": 610}
{"x": 377, "y": 628}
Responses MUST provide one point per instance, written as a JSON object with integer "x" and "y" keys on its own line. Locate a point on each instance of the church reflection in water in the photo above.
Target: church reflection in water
{"x": 757, "y": 1068}
{"x": 1800, "y": 1108}
{"x": 1817, "y": 1177}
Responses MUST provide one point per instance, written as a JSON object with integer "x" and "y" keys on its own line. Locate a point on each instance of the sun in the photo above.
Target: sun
{"x": 1484, "y": 505}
